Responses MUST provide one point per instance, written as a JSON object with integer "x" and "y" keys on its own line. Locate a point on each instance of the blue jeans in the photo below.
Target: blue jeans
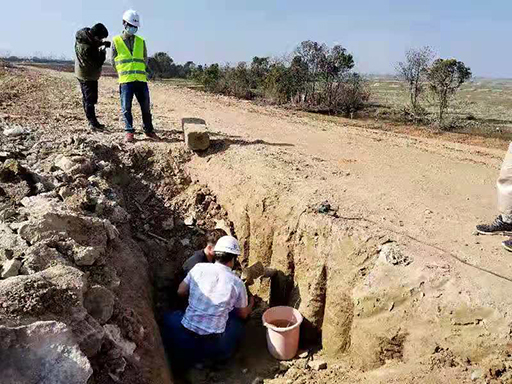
{"x": 185, "y": 348}
{"x": 141, "y": 91}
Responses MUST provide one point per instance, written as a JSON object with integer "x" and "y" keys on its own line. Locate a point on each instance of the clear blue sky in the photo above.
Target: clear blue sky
{"x": 377, "y": 32}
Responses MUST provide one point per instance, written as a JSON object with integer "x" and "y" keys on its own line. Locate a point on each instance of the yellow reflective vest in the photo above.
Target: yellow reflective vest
{"x": 130, "y": 67}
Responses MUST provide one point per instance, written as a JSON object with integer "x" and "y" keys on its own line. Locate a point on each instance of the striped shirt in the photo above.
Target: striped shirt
{"x": 214, "y": 291}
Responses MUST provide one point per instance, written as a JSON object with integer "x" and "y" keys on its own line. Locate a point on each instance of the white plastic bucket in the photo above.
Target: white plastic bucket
{"x": 283, "y": 331}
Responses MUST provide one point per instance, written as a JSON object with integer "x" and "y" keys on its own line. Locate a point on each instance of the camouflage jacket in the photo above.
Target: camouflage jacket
{"x": 89, "y": 57}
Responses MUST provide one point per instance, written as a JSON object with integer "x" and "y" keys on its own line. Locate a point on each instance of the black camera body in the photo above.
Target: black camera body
{"x": 107, "y": 44}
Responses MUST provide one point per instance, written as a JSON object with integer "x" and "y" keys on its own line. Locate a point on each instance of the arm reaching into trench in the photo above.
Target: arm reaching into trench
{"x": 183, "y": 289}
{"x": 244, "y": 312}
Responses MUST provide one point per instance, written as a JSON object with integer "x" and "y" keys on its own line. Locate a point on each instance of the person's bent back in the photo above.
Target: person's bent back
{"x": 214, "y": 291}
{"x": 212, "y": 326}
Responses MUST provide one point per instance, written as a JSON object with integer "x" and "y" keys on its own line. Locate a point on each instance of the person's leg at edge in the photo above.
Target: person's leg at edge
{"x": 503, "y": 223}
{"x": 144, "y": 99}
{"x": 183, "y": 349}
{"x": 228, "y": 343}
{"x": 126, "y": 92}
{"x": 90, "y": 99}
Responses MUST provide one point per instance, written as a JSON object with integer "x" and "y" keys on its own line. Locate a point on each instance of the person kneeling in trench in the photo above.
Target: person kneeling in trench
{"x": 212, "y": 326}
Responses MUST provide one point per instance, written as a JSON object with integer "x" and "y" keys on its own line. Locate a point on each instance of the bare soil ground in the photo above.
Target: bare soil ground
{"x": 430, "y": 190}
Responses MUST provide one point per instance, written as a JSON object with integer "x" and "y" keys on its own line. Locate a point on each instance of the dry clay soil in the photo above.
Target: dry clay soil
{"x": 424, "y": 193}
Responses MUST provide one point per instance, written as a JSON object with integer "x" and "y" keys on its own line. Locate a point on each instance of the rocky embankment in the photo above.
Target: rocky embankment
{"x": 75, "y": 287}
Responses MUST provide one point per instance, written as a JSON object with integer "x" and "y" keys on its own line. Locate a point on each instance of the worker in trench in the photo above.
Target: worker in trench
{"x": 502, "y": 225}
{"x": 90, "y": 54}
{"x": 212, "y": 325}
{"x": 206, "y": 255}
{"x": 130, "y": 59}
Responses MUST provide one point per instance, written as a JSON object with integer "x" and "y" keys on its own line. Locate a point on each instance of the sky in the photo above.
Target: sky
{"x": 376, "y": 32}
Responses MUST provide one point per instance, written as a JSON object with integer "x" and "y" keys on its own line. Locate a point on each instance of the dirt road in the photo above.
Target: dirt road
{"x": 432, "y": 190}
{"x": 426, "y": 193}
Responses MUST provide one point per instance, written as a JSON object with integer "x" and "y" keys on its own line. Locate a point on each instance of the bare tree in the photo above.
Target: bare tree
{"x": 413, "y": 71}
{"x": 445, "y": 77}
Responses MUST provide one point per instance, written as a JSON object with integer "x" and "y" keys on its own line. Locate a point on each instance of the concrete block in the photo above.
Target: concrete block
{"x": 196, "y": 134}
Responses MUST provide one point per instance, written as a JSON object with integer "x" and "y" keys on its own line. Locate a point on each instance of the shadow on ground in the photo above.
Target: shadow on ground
{"x": 220, "y": 143}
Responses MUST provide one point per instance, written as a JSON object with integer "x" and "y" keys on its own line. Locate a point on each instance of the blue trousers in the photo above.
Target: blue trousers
{"x": 140, "y": 90}
{"x": 185, "y": 348}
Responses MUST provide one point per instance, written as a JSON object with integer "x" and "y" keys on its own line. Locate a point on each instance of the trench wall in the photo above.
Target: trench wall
{"x": 368, "y": 295}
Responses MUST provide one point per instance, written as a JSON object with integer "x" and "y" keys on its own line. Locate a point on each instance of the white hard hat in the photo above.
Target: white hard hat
{"x": 132, "y": 17}
{"x": 227, "y": 244}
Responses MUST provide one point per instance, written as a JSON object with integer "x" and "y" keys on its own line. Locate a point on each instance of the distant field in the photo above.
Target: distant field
{"x": 486, "y": 103}
{"x": 182, "y": 83}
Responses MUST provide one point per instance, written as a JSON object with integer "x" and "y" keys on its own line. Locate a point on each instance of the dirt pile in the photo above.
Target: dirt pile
{"x": 69, "y": 259}
{"x": 93, "y": 239}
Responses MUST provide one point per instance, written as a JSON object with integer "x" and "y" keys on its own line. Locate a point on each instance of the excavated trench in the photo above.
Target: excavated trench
{"x": 100, "y": 234}
{"x": 170, "y": 215}
{"x": 175, "y": 214}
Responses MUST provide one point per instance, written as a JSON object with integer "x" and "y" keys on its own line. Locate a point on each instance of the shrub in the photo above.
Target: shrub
{"x": 445, "y": 77}
{"x": 349, "y": 95}
{"x": 237, "y": 82}
{"x": 210, "y": 77}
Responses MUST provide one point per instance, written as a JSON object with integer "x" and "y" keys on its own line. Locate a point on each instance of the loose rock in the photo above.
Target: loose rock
{"x": 40, "y": 257}
{"x": 56, "y": 292}
{"x": 114, "y": 333}
{"x": 16, "y": 131}
{"x": 392, "y": 254}
{"x": 66, "y": 164}
{"x": 10, "y": 268}
{"x": 478, "y": 374}
{"x": 99, "y": 302}
{"x": 317, "y": 365}
{"x": 44, "y": 352}
{"x": 87, "y": 255}
{"x": 189, "y": 221}
{"x": 66, "y": 192}
{"x": 11, "y": 245}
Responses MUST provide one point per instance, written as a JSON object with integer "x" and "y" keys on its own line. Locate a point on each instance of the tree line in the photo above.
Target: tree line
{"x": 319, "y": 78}
{"x": 315, "y": 78}
{"x": 162, "y": 66}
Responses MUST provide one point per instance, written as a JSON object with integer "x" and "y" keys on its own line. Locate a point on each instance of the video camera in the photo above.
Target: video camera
{"x": 106, "y": 44}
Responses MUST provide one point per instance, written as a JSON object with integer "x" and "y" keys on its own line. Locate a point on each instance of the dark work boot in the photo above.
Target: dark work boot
{"x": 498, "y": 227}
{"x": 152, "y": 136}
{"x": 90, "y": 113}
{"x": 507, "y": 244}
{"x": 96, "y": 126}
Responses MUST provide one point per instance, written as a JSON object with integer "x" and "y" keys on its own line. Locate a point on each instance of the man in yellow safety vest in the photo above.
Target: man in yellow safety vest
{"x": 129, "y": 58}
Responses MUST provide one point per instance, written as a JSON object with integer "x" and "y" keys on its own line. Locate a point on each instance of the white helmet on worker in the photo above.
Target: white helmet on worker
{"x": 132, "y": 17}
{"x": 227, "y": 244}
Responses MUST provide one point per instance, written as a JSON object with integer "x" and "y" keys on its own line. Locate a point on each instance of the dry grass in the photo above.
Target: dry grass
{"x": 482, "y": 107}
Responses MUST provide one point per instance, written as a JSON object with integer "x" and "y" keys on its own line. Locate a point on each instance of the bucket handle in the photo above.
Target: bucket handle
{"x": 281, "y": 330}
